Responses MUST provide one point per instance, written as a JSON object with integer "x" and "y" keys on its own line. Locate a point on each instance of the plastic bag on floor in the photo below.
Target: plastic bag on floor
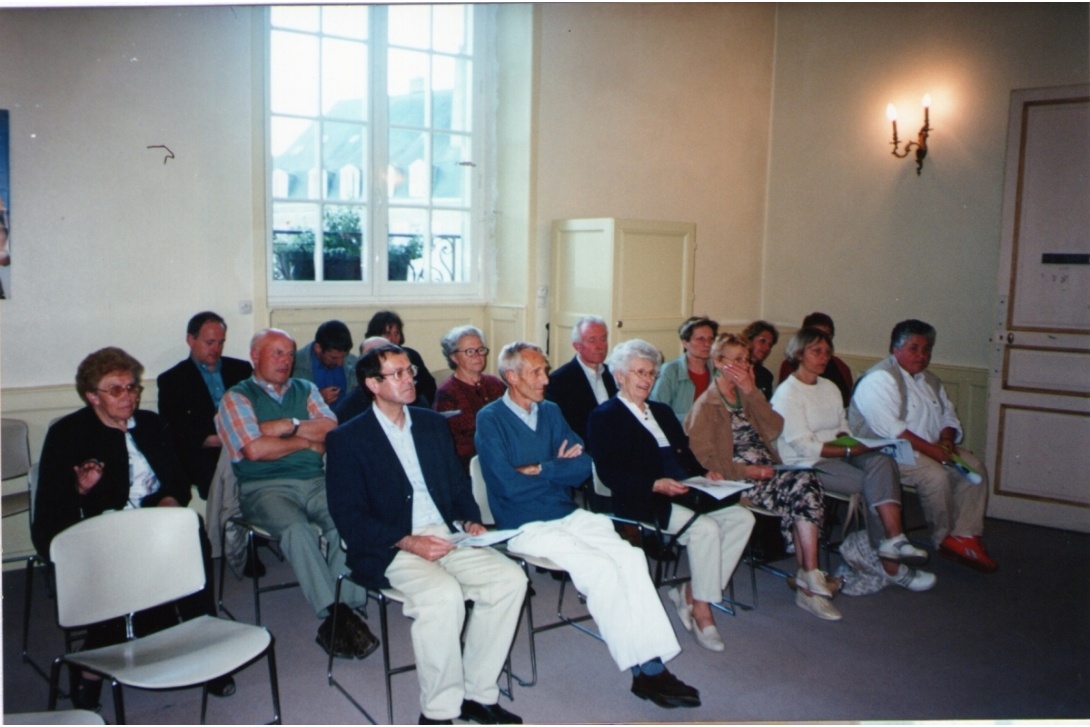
{"x": 862, "y": 572}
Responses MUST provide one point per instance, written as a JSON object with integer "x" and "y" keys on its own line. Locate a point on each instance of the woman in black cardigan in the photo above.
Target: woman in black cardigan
{"x": 110, "y": 455}
{"x": 642, "y": 455}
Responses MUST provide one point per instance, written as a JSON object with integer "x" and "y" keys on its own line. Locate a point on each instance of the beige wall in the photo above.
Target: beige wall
{"x": 660, "y": 112}
{"x": 643, "y": 111}
{"x": 856, "y": 233}
{"x": 109, "y": 244}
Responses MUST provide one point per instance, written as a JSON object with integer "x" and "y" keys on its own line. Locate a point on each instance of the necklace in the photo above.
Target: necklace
{"x": 736, "y": 405}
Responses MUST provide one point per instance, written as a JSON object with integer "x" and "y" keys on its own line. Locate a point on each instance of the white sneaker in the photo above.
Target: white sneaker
{"x": 684, "y": 610}
{"x": 823, "y": 608}
{"x": 898, "y": 549}
{"x": 813, "y": 582}
{"x": 912, "y": 579}
{"x": 709, "y": 638}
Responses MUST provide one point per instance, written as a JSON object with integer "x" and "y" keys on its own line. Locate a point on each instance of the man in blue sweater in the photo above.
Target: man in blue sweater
{"x": 531, "y": 461}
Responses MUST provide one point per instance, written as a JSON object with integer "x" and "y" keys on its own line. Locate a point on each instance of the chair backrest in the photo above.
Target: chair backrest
{"x": 600, "y": 488}
{"x": 480, "y": 491}
{"x": 121, "y": 562}
{"x": 15, "y": 444}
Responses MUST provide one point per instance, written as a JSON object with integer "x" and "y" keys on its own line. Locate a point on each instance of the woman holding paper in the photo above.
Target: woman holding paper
{"x": 642, "y": 454}
{"x": 733, "y": 429}
{"x": 814, "y": 419}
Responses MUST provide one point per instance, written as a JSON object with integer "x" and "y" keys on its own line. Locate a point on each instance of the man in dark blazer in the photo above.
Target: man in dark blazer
{"x": 190, "y": 393}
{"x": 399, "y": 495}
{"x": 583, "y": 383}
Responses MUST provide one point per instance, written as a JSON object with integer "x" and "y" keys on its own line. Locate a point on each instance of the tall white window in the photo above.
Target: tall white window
{"x": 378, "y": 181}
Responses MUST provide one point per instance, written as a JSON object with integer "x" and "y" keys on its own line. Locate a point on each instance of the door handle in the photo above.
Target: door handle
{"x": 1010, "y": 337}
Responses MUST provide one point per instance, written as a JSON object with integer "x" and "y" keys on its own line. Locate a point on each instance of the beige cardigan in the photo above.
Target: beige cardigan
{"x": 708, "y": 425}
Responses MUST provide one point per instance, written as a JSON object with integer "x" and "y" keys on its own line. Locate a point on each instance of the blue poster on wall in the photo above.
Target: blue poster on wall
{"x": 5, "y": 209}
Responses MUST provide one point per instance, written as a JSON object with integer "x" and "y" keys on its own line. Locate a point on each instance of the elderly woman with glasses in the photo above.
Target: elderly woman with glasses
{"x": 641, "y": 453}
{"x": 111, "y": 455}
{"x": 468, "y": 389}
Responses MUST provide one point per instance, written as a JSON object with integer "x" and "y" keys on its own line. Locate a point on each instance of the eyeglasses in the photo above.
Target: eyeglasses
{"x": 399, "y": 374}
{"x": 117, "y": 391}
{"x": 644, "y": 374}
{"x": 482, "y": 351}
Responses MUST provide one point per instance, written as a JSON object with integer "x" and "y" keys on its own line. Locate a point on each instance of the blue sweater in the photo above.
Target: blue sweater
{"x": 505, "y": 443}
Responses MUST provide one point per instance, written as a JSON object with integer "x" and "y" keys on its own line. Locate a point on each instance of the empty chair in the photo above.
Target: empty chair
{"x": 15, "y": 463}
{"x": 155, "y": 559}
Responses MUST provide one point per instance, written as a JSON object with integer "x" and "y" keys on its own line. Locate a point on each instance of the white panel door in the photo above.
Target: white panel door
{"x": 1039, "y": 388}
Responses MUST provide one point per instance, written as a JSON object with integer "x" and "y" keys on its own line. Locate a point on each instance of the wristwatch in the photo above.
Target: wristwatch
{"x": 294, "y": 429}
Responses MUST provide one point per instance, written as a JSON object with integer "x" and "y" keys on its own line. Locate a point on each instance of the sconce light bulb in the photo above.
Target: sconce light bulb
{"x": 927, "y": 101}
{"x": 891, "y": 112}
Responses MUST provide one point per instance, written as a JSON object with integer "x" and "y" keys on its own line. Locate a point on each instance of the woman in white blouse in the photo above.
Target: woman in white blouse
{"x": 814, "y": 416}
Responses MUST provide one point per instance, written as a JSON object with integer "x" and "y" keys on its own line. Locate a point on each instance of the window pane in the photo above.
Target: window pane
{"x": 344, "y": 79}
{"x": 406, "y": 85}
{"x": 451, "y": 84}
{"x": 408, "y": 174}
{"x": 345, "y": 161}
{"x": 347, "y": 21}
{"x": 406, "y": 238}
{"x": 450, "y": 246}
{"x": 408, "y": 25}
{"x": 295, "y": 228}
{"x": 299, "y": 18}
{"x": 294, "y": 74}
{"x": 342, "y": 243}
{"x": 449, "y": 29}
{"x": 295, "y": 158}
{"x": 450, "y": 177}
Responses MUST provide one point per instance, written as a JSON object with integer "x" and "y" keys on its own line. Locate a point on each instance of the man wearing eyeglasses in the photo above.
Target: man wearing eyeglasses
{"x": 399, "y": 495}
{"x": 274, "y": 427}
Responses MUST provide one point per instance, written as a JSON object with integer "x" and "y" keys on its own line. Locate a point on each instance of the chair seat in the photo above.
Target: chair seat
{"x": 393, "y": 594}
{"x": 188, "y": 654}
{"x": 16, "y": 503}
{"x": 62, "y": 716}
{"x": 535, "y": 560}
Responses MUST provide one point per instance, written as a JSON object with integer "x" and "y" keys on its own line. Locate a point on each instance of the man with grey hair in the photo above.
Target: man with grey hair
{"x": 583, "y": 383}
{"x": 274, "y": 428}
{"x": 532, "y": 460}
{"x": 899, "y": 398}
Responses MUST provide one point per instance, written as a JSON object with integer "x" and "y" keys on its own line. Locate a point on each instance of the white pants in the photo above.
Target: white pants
{"x": 715, "y": 542}
{"x": 613, "y": 576}
{"x": 435, "y": 595}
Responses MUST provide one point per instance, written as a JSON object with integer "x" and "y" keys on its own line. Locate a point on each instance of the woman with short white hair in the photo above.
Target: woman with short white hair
{"x": 641, "y": 453}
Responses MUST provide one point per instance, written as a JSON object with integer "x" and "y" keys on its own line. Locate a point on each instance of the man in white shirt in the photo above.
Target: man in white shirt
{"x": 899, "y": 397}
{"x": 398, "y": 493}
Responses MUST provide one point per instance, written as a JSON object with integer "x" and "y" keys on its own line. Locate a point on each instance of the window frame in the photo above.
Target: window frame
{"x": 480, "y": 182}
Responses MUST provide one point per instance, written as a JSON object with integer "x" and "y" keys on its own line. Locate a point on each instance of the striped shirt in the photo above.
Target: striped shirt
{"x": 237, "y": 423}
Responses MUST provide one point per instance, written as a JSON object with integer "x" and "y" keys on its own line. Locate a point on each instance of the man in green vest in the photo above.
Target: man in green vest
{"x": 274, "y": 428}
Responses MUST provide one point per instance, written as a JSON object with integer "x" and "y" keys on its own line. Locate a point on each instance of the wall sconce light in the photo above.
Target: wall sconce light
{"x": 921, "y": 141}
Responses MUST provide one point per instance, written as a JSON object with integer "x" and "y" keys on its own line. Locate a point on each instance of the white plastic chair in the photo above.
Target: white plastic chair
{"x": 15, "y": 462}
{"x": 119, "y": 563}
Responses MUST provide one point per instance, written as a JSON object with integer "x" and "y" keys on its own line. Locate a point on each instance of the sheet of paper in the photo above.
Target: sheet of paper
{"x": 465, "y": 540}
{"x": 719, "y": 489}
